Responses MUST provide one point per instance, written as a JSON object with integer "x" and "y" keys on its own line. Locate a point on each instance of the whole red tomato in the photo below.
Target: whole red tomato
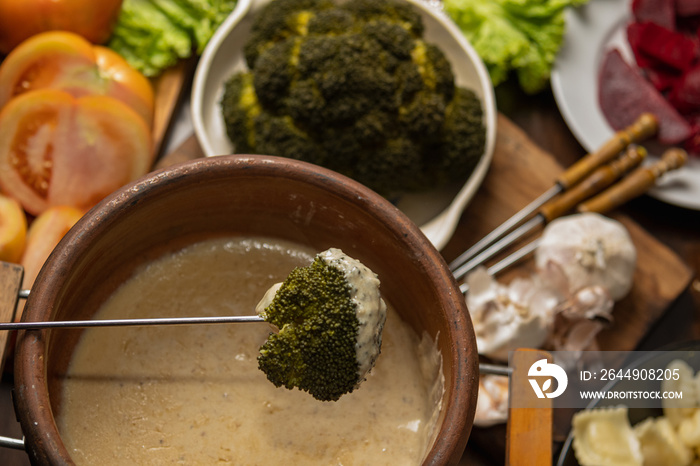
{"x": 20, "y": 19}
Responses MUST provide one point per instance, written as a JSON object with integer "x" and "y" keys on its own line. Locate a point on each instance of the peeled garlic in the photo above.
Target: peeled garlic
{"x": 511, "y": 316}
{"x": 593, "y": 250}
{"x": 492, "y": 402}
{"x": 580, "y": 318}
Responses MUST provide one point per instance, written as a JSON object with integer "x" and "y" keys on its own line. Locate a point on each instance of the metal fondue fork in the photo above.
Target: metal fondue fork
{"x": 128, "y": 322}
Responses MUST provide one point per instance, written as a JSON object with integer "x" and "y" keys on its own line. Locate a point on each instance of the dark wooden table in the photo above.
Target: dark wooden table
{"x": 539, "y": 117}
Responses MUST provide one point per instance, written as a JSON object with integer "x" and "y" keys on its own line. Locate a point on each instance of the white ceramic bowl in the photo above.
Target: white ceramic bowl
{"x": 436, "y": 212}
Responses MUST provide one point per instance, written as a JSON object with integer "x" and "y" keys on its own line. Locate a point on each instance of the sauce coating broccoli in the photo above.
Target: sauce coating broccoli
{"x": 355, "y": 88}
{"x": 330, "y": 316}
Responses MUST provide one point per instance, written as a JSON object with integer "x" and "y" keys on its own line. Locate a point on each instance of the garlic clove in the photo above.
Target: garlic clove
{"x": 580, "y": 318}
{"x": 505, "y": 317}
{"x": 492, "y": 402}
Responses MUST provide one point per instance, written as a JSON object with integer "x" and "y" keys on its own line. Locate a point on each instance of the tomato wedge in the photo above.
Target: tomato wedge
{"x": 56, "y": 149}
{"x": 65, "y": 61}
{"x": 13, "y": 229}
{"x": 42, "y": 237}
{"x": 125, "y": 83}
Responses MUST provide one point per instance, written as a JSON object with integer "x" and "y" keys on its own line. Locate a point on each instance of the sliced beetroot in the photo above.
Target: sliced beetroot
{"x": 634, "y": 38}
{"x": 671, "y": 48}
{"x": 661, "y": 12}
{"x": 692, "y": 144}
{"x": 663, "y": 79}
{"x": 685, "y": 95}
{"x": 623, "y": 95}
{"x": 688, "y": 24}
{"x": 694, "y": 35}
{"x": 687, "y": 7}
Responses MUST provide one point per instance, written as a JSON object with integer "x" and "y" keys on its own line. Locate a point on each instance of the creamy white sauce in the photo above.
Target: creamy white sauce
{"x": 370, "y": 307}
{"x": 194, "y": 395}
{"x": 267, "y": 299}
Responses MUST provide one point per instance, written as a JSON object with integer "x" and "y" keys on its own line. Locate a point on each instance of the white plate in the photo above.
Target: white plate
{"x": 590, "y": 31}
{"x": 437, "y": 212}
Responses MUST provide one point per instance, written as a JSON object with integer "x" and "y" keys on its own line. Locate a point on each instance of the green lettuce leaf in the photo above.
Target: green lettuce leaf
{"x": 521, "y": 36}
{"x": 153, "y": 35}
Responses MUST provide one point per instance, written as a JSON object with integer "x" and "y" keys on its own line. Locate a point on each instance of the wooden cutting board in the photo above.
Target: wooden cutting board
{"x": 169, "y": 91}
{"x": 521, "y": 171}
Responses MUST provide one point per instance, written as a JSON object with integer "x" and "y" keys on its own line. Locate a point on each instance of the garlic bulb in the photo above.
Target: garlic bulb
{"x": 593, "y": 250}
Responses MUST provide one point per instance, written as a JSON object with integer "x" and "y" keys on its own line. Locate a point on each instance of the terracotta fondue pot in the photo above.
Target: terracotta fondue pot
{"x": 251, "y": 195}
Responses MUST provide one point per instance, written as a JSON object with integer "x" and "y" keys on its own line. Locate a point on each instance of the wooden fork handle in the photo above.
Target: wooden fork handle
{"x": 636, "y": 183}
{"x": 600, "y": 179}
{"x": 529, "y": 428}
{"x": 644, "y": 127}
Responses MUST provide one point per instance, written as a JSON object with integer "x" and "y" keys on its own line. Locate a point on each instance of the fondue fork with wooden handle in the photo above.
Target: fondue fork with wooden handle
{"x": 645, "y": 126}
{"x": 630, "y": 187}
{"x": 600, "y": 179}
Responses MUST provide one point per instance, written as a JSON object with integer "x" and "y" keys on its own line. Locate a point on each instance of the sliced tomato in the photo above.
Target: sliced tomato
{"x": 20, "y": 19}
{"x": 44, "y": 234}
{"x": 13, "y": 229}
{"x": 53, "y": 59}
{"x": 56, "y": 149}
{"x": 67, "y": 62}
{"x": 124, "y": 82}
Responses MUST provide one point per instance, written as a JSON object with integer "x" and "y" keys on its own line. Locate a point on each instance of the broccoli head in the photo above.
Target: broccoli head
{"x": 240, "y": 106}
{"x": 330, "y": 317}
{"x": 353, "y": 86}
{"x": 287, "y": 18}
